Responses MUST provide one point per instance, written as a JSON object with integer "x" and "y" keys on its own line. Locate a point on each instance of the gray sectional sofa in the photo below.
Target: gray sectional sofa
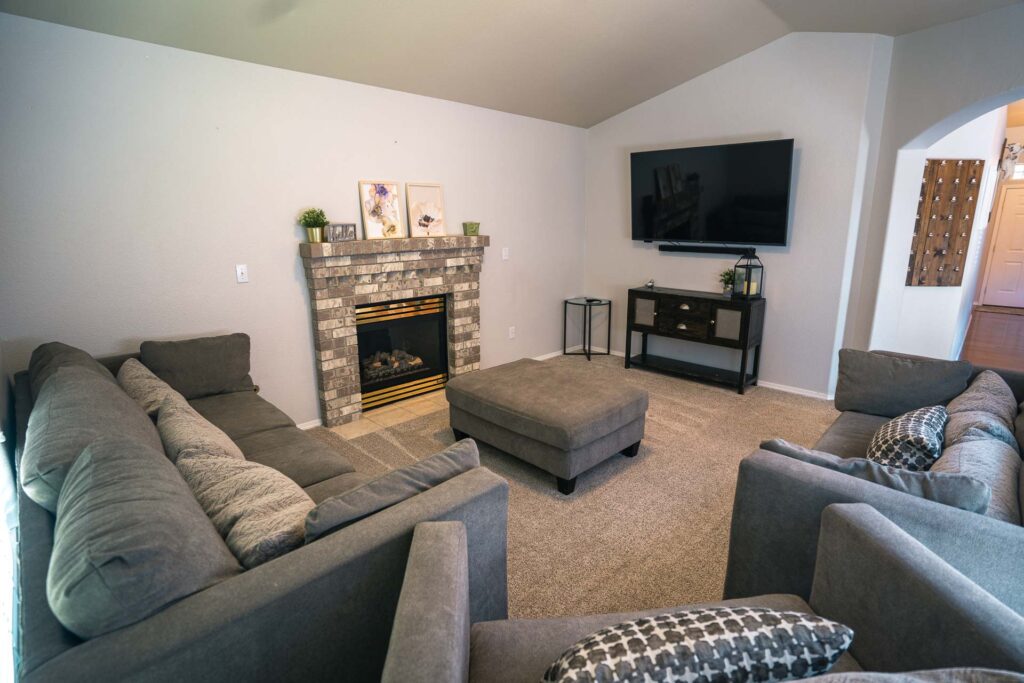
{"x": 909, "y": 610}
{"x": 321, "y": 611}
{"x": 779, "y": 499}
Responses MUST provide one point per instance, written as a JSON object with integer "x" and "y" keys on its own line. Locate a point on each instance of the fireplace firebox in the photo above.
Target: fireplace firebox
{"x": 403, "y": 349}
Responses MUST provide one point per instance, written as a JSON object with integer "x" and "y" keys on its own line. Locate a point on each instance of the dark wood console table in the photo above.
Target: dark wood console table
{"x": 703, "y": 317}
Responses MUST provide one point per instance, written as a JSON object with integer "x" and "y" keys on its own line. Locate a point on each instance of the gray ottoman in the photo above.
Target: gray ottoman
{"x": 564, "y": 418}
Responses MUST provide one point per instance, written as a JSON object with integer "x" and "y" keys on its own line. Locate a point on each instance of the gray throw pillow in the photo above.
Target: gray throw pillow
{"x": 992, "y": 462}
{"x": 957, "y": 490}
{"x": 969, "y": 425}
{"x": 390, "y": 489}
{"x": 880, "y": 384}
{"x": 130, "y": 539}
{"x": 989, "y": 393}
{"x": 145, "y": 388}
{"x": 912, "y": 441}
{"x": 722, "y": 644}
{"x": 257, "y": 510}
{"x": 201, "y": 367}
{"x": 75, "y": 407}
{"x": 184, "y": 430}
{"x": 48, "y": 358}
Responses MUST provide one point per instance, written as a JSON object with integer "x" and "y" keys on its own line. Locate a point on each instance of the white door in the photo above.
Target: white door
{"x": 1006, "y": 266}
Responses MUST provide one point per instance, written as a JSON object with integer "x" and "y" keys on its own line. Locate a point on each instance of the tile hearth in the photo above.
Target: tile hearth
{"x": 343, "y": 275}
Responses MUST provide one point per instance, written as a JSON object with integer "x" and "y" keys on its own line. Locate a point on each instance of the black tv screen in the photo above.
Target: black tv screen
{"x": 721, "y": 194}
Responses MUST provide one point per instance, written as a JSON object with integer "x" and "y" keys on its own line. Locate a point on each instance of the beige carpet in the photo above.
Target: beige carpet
{"x": 638, "y": 533}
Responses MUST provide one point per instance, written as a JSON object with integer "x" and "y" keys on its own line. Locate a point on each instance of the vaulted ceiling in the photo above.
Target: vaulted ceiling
{"x": 573, "y": 61}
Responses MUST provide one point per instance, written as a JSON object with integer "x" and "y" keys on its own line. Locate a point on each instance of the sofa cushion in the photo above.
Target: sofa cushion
{"x": 256, "y": 509}
{"x": 241, "y": 414}
{"x": 563, "y": 405}
{"x": 882, "y": 384}
{"x": 969, "y": 425}
{"x": 994, "y": 463}
{"x": 201, "y": 367}
{"x": 520, "y": 650}
{"x": 46, "y": 359}
{"x": 962, "y": 675}
{"x": 183, "y": 430}
{"x": 75, "y": 406}
{"x": 145, "y": 388}
{"x": 1018, "y": 427}
{"x": 912, "y": 441}
{"x": 714, "y": 643}
{"x": 130, "y": 539}
{"x": 297, "y": 455}
{"x": 850, "y": 435}
{"x": 390, "y": 489}
{"x": 957, "y": 490}
{"x": 989, "y": 393}
{"x": 323, "y": 490}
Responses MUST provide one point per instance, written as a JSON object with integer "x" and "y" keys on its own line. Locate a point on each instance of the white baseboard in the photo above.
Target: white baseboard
{"x": 310, "y": 424}
{"x": 572, "y": 349}
{"x": 795, "y": 390}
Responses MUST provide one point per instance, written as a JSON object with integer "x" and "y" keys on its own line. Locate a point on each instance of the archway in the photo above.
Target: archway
{"x": 932, "y": 321}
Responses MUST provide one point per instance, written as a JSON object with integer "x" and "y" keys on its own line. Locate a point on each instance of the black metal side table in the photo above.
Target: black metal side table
{"x": 588, "y": 304}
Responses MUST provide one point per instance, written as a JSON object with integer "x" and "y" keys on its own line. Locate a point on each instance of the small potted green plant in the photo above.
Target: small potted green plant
{"x": 727, "y": 277}
{"x": 313, "y": 220}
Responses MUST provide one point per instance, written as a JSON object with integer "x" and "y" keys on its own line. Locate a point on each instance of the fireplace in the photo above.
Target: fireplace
{"x": 403, "y": 349}
{"x": 368, "y": 274}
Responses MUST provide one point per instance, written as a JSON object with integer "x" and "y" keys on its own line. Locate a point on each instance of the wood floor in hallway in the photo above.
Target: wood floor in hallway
{"x": 995, "y": 340}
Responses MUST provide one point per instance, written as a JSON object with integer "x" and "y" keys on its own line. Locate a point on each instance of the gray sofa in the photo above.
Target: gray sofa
{"x": 909, "y": 610}
{"x": 321, "y": 611}
{"x": 779, "y": 501}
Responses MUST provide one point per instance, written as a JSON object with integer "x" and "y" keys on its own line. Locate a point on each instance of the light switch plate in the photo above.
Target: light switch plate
{"x": 241, "y": 273}
{"x": 504, "y": 253}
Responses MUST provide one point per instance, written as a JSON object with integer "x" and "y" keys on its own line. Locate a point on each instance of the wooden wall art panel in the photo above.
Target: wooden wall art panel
{"x": 945, "y": 215}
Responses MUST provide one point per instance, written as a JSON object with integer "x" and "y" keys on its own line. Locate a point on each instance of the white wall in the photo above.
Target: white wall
{"x": 932, "y": 321}
{"x": 941, "y": 78}
{"x": 134, "y": 176}
{"x": 822, "y": 90}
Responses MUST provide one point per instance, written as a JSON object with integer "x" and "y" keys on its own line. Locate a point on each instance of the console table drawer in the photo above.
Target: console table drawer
{"x": 679, "y": 308}
{"x": 684, "y": 327}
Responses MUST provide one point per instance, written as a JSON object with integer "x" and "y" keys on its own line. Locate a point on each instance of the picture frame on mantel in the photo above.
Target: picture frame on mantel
{"x": 425, "y": 208}
{"x": 381, "y": 209}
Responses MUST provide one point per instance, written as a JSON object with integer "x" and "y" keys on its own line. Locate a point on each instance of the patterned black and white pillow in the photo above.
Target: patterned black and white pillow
{"x": 722, "y": 644}
{"x": 912, "y": 441}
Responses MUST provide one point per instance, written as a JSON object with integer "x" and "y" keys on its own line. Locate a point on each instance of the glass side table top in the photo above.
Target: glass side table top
{"x": 588, "y": 301}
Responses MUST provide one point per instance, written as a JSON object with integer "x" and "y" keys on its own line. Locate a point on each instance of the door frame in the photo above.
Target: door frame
{"x": 992, "y": 237}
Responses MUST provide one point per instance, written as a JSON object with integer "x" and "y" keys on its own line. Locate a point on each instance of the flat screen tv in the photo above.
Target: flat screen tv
{"x": 720, "y": 194}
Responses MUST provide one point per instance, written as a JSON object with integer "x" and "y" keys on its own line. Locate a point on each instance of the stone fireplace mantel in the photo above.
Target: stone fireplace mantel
{"x": 343, "y": 275}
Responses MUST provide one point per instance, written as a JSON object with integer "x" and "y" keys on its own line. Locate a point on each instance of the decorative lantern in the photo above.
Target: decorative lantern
{"x": 748, "y": 277}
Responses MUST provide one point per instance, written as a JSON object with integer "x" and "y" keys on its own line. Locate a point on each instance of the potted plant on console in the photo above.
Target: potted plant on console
{"x": 727, "y": 277}
{"x": 313, "y": 220}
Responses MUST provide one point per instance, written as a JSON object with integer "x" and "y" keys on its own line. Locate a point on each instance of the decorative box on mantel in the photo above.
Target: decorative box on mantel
{"x": 344, "y": 275}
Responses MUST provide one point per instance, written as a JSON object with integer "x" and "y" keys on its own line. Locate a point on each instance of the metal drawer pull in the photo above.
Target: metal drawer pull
{"x": 684, "y": 307}
{"x": 712, "y": 322}
{"x": 681, "y": 326}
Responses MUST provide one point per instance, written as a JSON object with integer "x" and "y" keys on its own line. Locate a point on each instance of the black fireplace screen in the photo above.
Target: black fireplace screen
{"x": 403, "y": 349}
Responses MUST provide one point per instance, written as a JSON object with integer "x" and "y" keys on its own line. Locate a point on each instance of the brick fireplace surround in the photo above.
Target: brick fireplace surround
{"x": 343, "y": 275}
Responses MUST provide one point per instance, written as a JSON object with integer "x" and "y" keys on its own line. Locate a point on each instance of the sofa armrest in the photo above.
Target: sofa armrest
{"x": 777, "y": 515}
{"x": 909, "y": 609}
{"x": 321, "y": 612}
{"x": 430, "y": 637}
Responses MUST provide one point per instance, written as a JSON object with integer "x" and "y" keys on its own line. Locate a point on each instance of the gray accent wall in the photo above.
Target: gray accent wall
{"x": 817, "y": 88}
